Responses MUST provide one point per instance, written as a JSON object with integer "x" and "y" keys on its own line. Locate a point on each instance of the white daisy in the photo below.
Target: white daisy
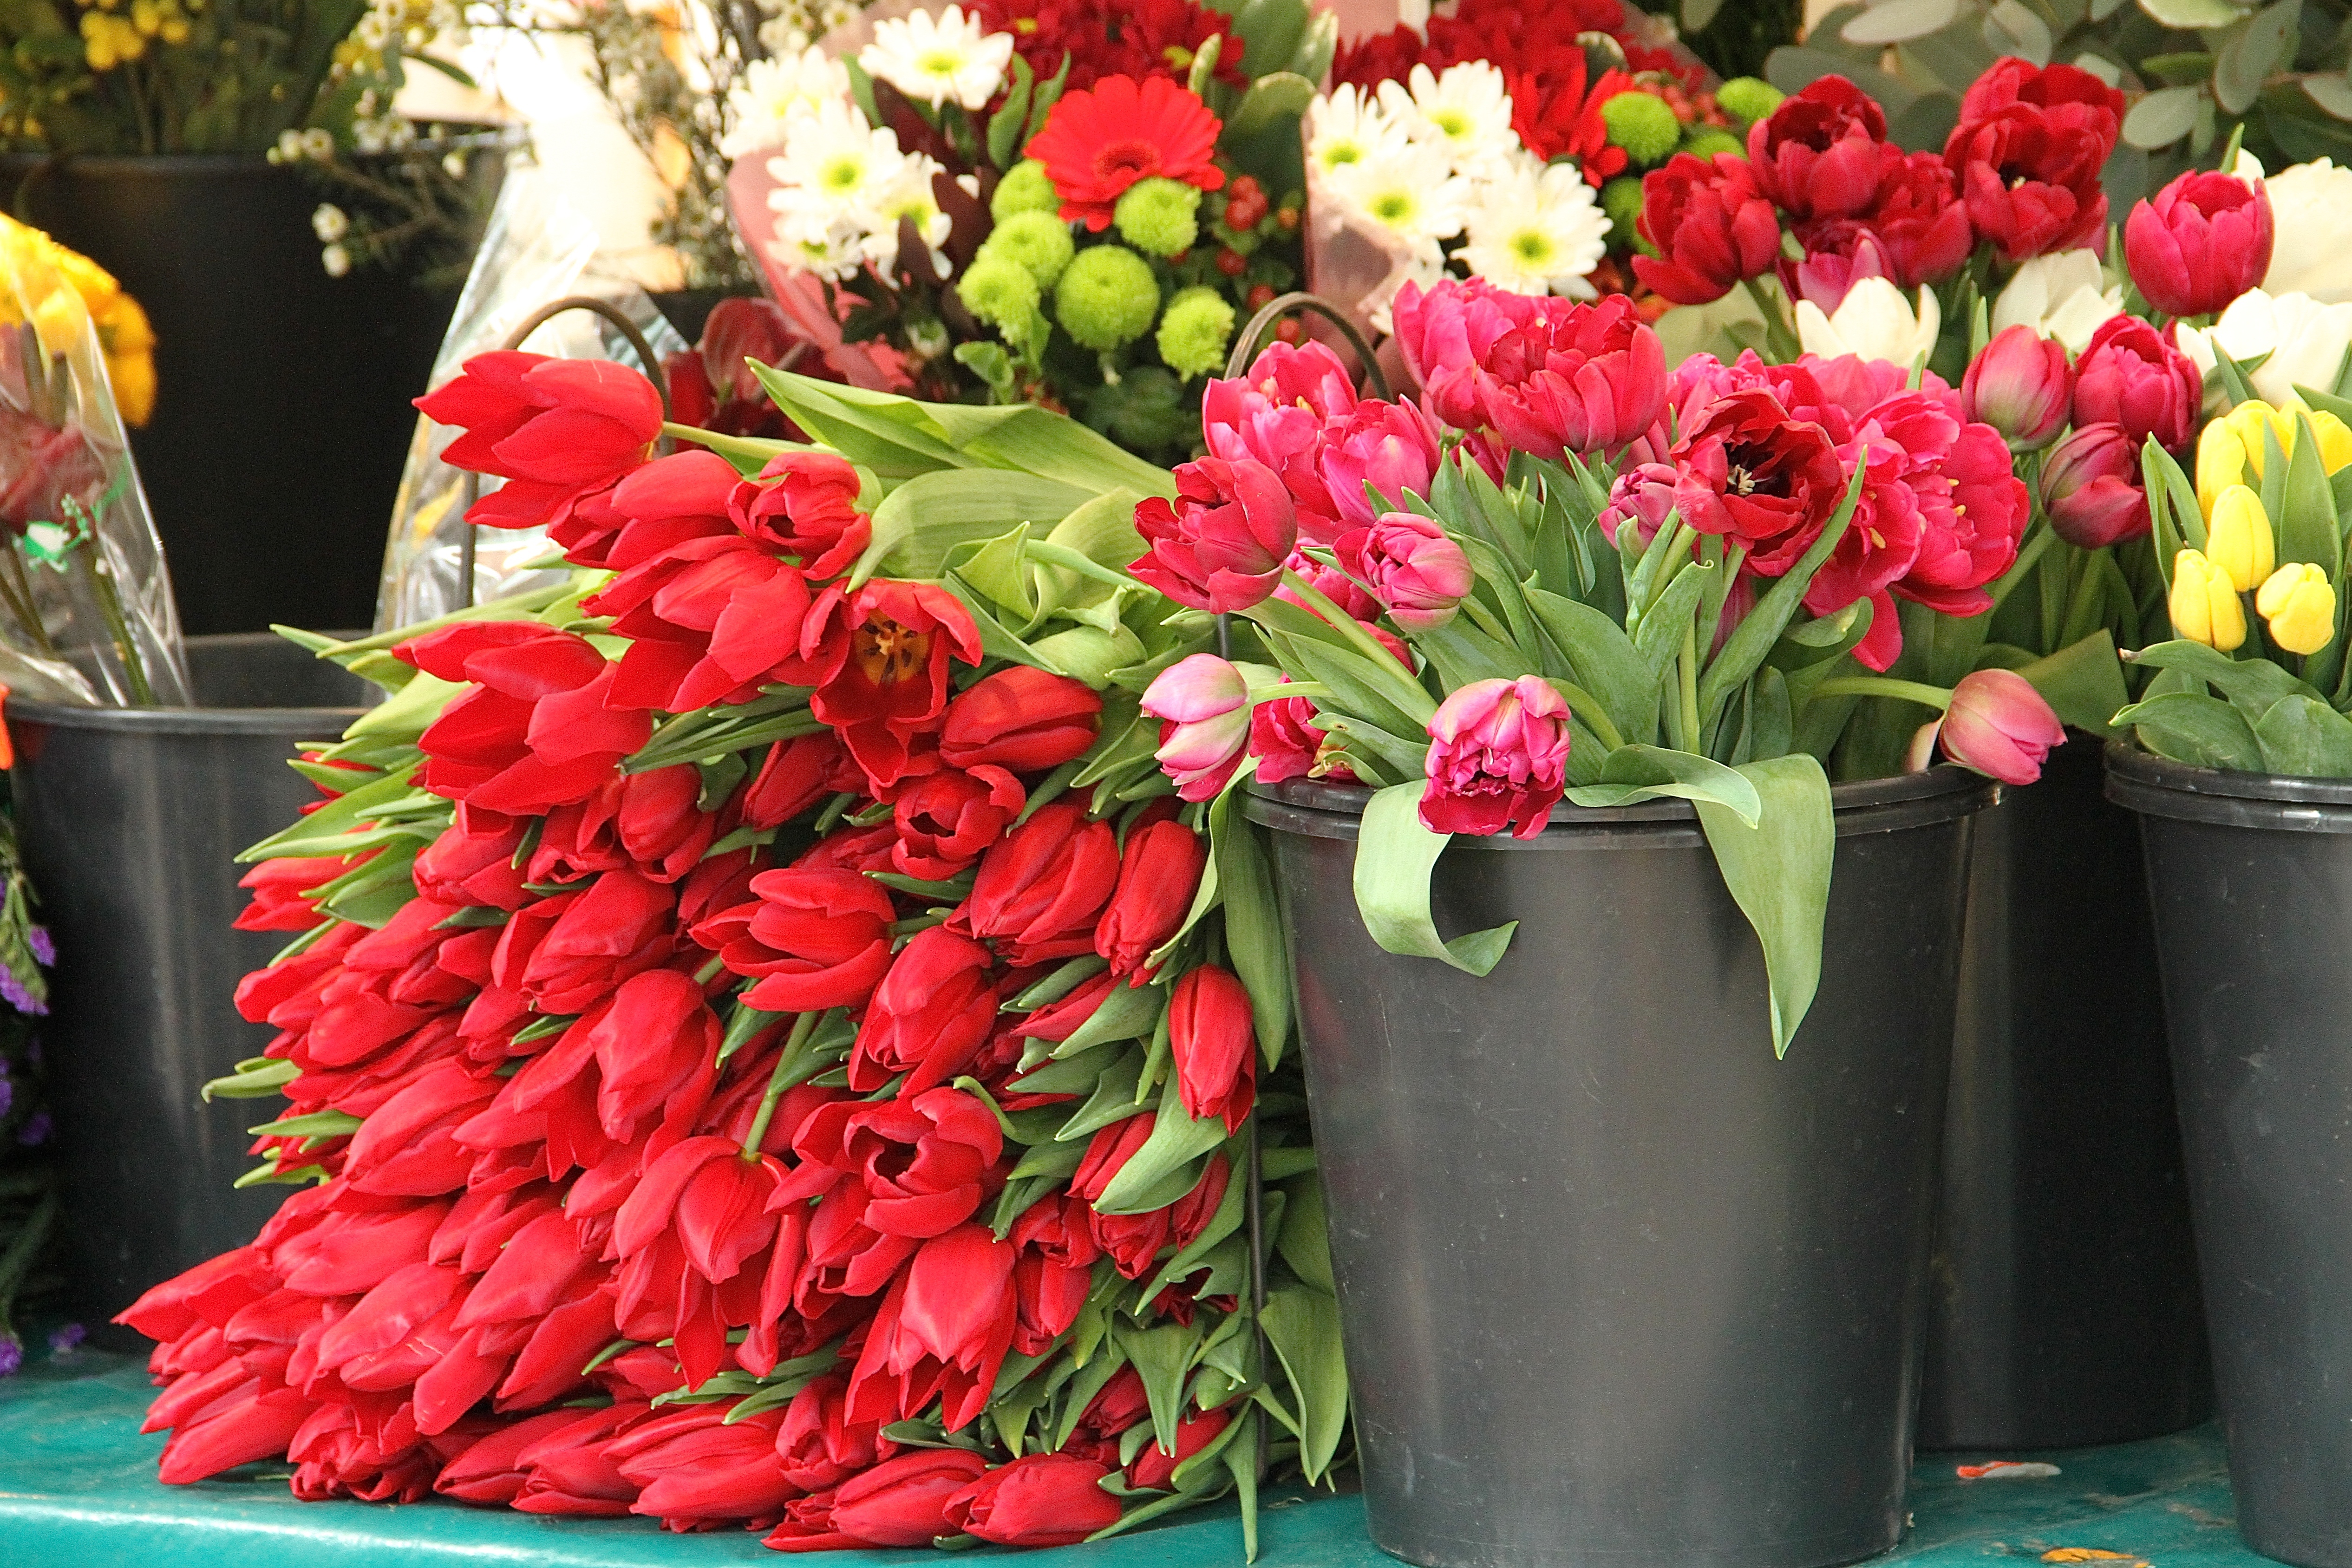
{"x": 1537, "y": 230}
{"x": 1467, "y": 111}
{"x": 1348, "y": 126}
{"x": 1411, "y": 192}
{"x": 832, "y": 162}
{"x": 771, "y": 92}
{"x": 935, "y": 60}
{"x": 907, "y": 198}
{"x": 833, "y": 250}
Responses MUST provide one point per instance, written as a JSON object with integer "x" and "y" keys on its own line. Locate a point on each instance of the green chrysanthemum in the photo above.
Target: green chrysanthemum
{"x": 1640, "y": 123}
{"x": 1156, "y": 217}
{"x": 1707, "y": 143}
{"x": 1024, "y": 189}
{"x": 1747, "y": 99}
{"x": 1037, "y": 242}
{"x": 1621, "y": 198}
{"x": 1000, "y": 291}
{"x": 1107, "y": 296}
{"x": 1195, "y": 330}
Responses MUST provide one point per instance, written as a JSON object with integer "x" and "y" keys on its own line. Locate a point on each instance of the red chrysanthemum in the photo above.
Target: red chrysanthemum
{"x": 1096, "y": 144}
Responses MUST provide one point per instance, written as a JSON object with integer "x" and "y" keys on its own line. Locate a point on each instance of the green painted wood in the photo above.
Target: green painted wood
{"x": 78, "y": 1489}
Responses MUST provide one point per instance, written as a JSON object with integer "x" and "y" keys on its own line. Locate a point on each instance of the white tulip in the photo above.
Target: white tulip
{"x": 2064, "y": 296}
{"x": 2310, "y": 211}
{"x": 2304, "y": 341}
{"x": 1874, "y": 322}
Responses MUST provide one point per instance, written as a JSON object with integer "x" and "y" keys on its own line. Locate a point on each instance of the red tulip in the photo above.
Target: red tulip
{"x": 1154, "y": 1468}
{"x": 1054, "y": 1272}
{"x": 473, "y": 862}
{"x": 942, "y": 1332}
{"x": 2136, "y": 378}
{"x": 1038, "y": 1500}
{"x": 567, "y": 1474}
{"x": 814, "y": 939}
{"x": 710, "y": 621}
{"x": 928, "y": 1016}
{"x": 1021, "y": 719}
{"x": 1712, "y": 225}
{"x": 1920, "y": 222}
{"x": 946, "y": 819}
{"x": 795, "y": 775}
{"x": 697, "y": 1468}
{"x": 1822, "y": 152}
{"x": 656, "y": 1045}
{"x": 887, "y": 649}
{"x": 535, "y": 732}
{"x": 924, "y": 1161}
{"x": 1040, "y": 891}
{"x": 2203, "y": 241}
{"x": 1392, "y": 447}
{"x": 1215, "y": 1047}
{"x": 1998, "y": 725}
{"x": 805, "y": 504}
{"x": 1157, "y": 876}
{"x": 567, "y": 952}
{"x": 1287, "y": 745}
{"x": 818, "y": 1445}
{"x": 490, "y": 1471}
{"x": 902, "y": 1502}
{"x": 652, "y": 510}
{"x": 1745, "y": 470}
{"x": 553, "y": 428}
{"x": 407, "y": 1146}
{"x": 1220, "y": 545}
{"x": 1275, "y": 415}
{"x": 1412, "y": 566}
{"x": 650, "y": 823}
{"x": 2028, "y": 151}
{"x": 280, "y": 891}
{"x": 1548, "y": 375}
{"x": 2091, "y": 487}
{"x": 1136, "y": 1242}
{"x": 1203, "y": 707}
{"x": 2022, "y": 385}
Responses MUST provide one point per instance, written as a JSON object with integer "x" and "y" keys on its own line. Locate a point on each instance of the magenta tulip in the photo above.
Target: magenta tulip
{"x": 1498, "y": 754}
{"x": 2205, "y": 239}
{"x": 2022, "y": 385}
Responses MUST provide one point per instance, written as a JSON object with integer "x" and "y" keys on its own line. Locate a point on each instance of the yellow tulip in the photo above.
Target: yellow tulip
{"x": 2299, "y": 603}
{"x": 2239, "y": 538}
{"x": 2221, "y": 461}
{"x": 2231, "y": 449}
{"x": 2205, "y": 607}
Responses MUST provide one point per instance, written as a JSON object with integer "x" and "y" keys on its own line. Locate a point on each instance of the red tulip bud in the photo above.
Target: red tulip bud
{"x": 2205, "y": 239}
{"x": 2022, "y": 385}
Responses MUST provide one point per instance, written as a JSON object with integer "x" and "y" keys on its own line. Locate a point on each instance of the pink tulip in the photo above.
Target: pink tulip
{"x": 1219, "y": 546}
{"x": 1998, "y": 725}
{"x": 1392, "y": 447}
{"x": 1412, "y": 566}
{"x": 2091, "y": 487}
{"x": 2022, "y": 385}
{"x": 1498, "y": 754}
{"x": 1203, "y": 708}
{"x": 2205, "y": 239}
{"x": 2135, "y": 376}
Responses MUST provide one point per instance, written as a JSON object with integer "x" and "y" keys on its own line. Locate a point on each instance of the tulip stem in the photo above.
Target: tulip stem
{"x": 2026, "y": 556}
{"x": 1422, "y": 707}
{"x": 1925, "y": 695}
{"x": 1686, "y": 714}
{"x": 778, "y": 1082}
{"x": 1779, "y": 335}
{"x": 1583, "y": 705}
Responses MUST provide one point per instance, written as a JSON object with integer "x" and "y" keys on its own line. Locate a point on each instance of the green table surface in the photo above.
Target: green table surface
{"x": 78, "y": 1488}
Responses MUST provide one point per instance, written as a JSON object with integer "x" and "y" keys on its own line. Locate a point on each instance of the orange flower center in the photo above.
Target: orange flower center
{"x": 887, "y": 653}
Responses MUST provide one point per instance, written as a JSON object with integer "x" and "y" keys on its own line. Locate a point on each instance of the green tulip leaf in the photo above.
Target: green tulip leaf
{"x": 2083, "y": 682}
{"x": 2252, "y": 685}
{"x": 1639, "y": 772}
{"x": 1602, "y": 660}
{"x": 2190, "y": 727}
{"x": 1303, "y": 1325}
{"x": 1778, "y": 869}
{"x": 2306, "y": 738}
{"x": 1395, "y": 854}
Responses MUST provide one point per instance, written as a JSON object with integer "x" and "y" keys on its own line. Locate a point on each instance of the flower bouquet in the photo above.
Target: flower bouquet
{"x": 763, "y": 1044}
{"x": 1065, "y": 205}
{"x": 84, "y": 597}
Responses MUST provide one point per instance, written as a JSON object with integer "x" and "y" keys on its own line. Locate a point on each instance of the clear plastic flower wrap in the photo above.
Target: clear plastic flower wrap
{"x": 86, "y": 612}
{"x": 538, "y": 249}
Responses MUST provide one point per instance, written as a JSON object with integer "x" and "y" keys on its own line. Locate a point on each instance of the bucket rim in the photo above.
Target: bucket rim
{"x": 307, "y": 721}
{"x": 1942, "y": 794}
{"x": 2153, "y": 785}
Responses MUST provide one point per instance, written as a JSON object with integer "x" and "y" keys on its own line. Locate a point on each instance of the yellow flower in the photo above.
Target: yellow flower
{"x": 56, "y": 289}
{"x": 2299, "y": 603}
{"x": 2205, "y": 607}
{"x": 2231, "y": 449}
{"x": 2239, "y": 538}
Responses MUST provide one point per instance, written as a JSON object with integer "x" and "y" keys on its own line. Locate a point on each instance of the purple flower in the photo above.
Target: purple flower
{"x": 14, "y": 993}
{"x": 45, "y": 952}
{"x": 34, "y": 1132}
{"x": 7, "y": 1092}
{"x": 12, "y": 1355}
{"x": 63, "y": 1341}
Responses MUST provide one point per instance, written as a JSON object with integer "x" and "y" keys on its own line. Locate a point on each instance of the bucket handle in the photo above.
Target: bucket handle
{"x": 1253, "y": 337}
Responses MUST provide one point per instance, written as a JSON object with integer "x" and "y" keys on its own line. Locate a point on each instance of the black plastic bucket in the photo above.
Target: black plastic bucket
{"x": 2251, "y": 876}
{"x": 1617, "y": 1287}
{"x": 2063, "y": 1176}
{"x": 130, "y": 819}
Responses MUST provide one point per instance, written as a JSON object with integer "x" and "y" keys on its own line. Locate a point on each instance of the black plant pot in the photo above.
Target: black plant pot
{"x": 2251, "y": 877}
{"x": 282, "y": 414}
{"x": 1617, "y": 1285}
{"x": 2062, "y": 1152}
{"x": 130, "y": 819}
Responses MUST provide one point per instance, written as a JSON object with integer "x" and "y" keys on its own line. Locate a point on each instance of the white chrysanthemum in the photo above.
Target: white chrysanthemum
{"x": 907, "y": 199}
{"x": 833, "y": 162}
{"x": 1411, "y": 192}
{"x": 1875, "y": 321}
{"x": 2065, "y": 295}
{"x": 772, "y": 93}
{"x": 934, "y": 60}
{"x": 1537, "y": 230}
{"x": 831, "y": 246}
{"x": 1347, "y": 127}
{"x": 1467, "y": 111}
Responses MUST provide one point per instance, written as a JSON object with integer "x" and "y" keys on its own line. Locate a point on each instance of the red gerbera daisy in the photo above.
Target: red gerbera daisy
{"x": 1096, "y": 144}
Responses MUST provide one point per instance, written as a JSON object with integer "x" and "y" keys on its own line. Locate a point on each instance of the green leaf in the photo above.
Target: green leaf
{"x": 1899, "y": 22}
{"x": 2083, "y": 682}
{"x": 2247, "y": 60}
{"x": 1177, "y": 1140}
{"x": 2304, "y": 737}
{"x": 1281, "y": 95}
{"x": 2252, "y": 685}
{"x": 2308, "y": 530}
{"x": 2192, "y": 16}
{"x": 1752, "y": 639}
{"x": 1778, "y": 873}
{"x": 1005, "y": 126}
{"x": 1256, "y": 941}
{"x": 895, "y": 436}
{"x": 1602, "y": 660}
{"x": 931, "y": 513}
{"x": 1162, "y": 1357}
{"x": 1638, "y": 772}
{"x": 1302, "y": 1324}
{"x": 1395, "y": 854}
{"x": 2190, "y": 727}
{"x": 1659, "y": 636}
{"x": 1038, "y": 441}
{"x": 2163, "y": 117}
{"x": 1304, "y": 1243}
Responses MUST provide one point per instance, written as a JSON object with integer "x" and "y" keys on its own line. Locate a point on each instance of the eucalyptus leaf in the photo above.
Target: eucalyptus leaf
{"x": 1899, "y": 21}
{"x": 2163, "y": 117}
{"x": 2192, "y": 15}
